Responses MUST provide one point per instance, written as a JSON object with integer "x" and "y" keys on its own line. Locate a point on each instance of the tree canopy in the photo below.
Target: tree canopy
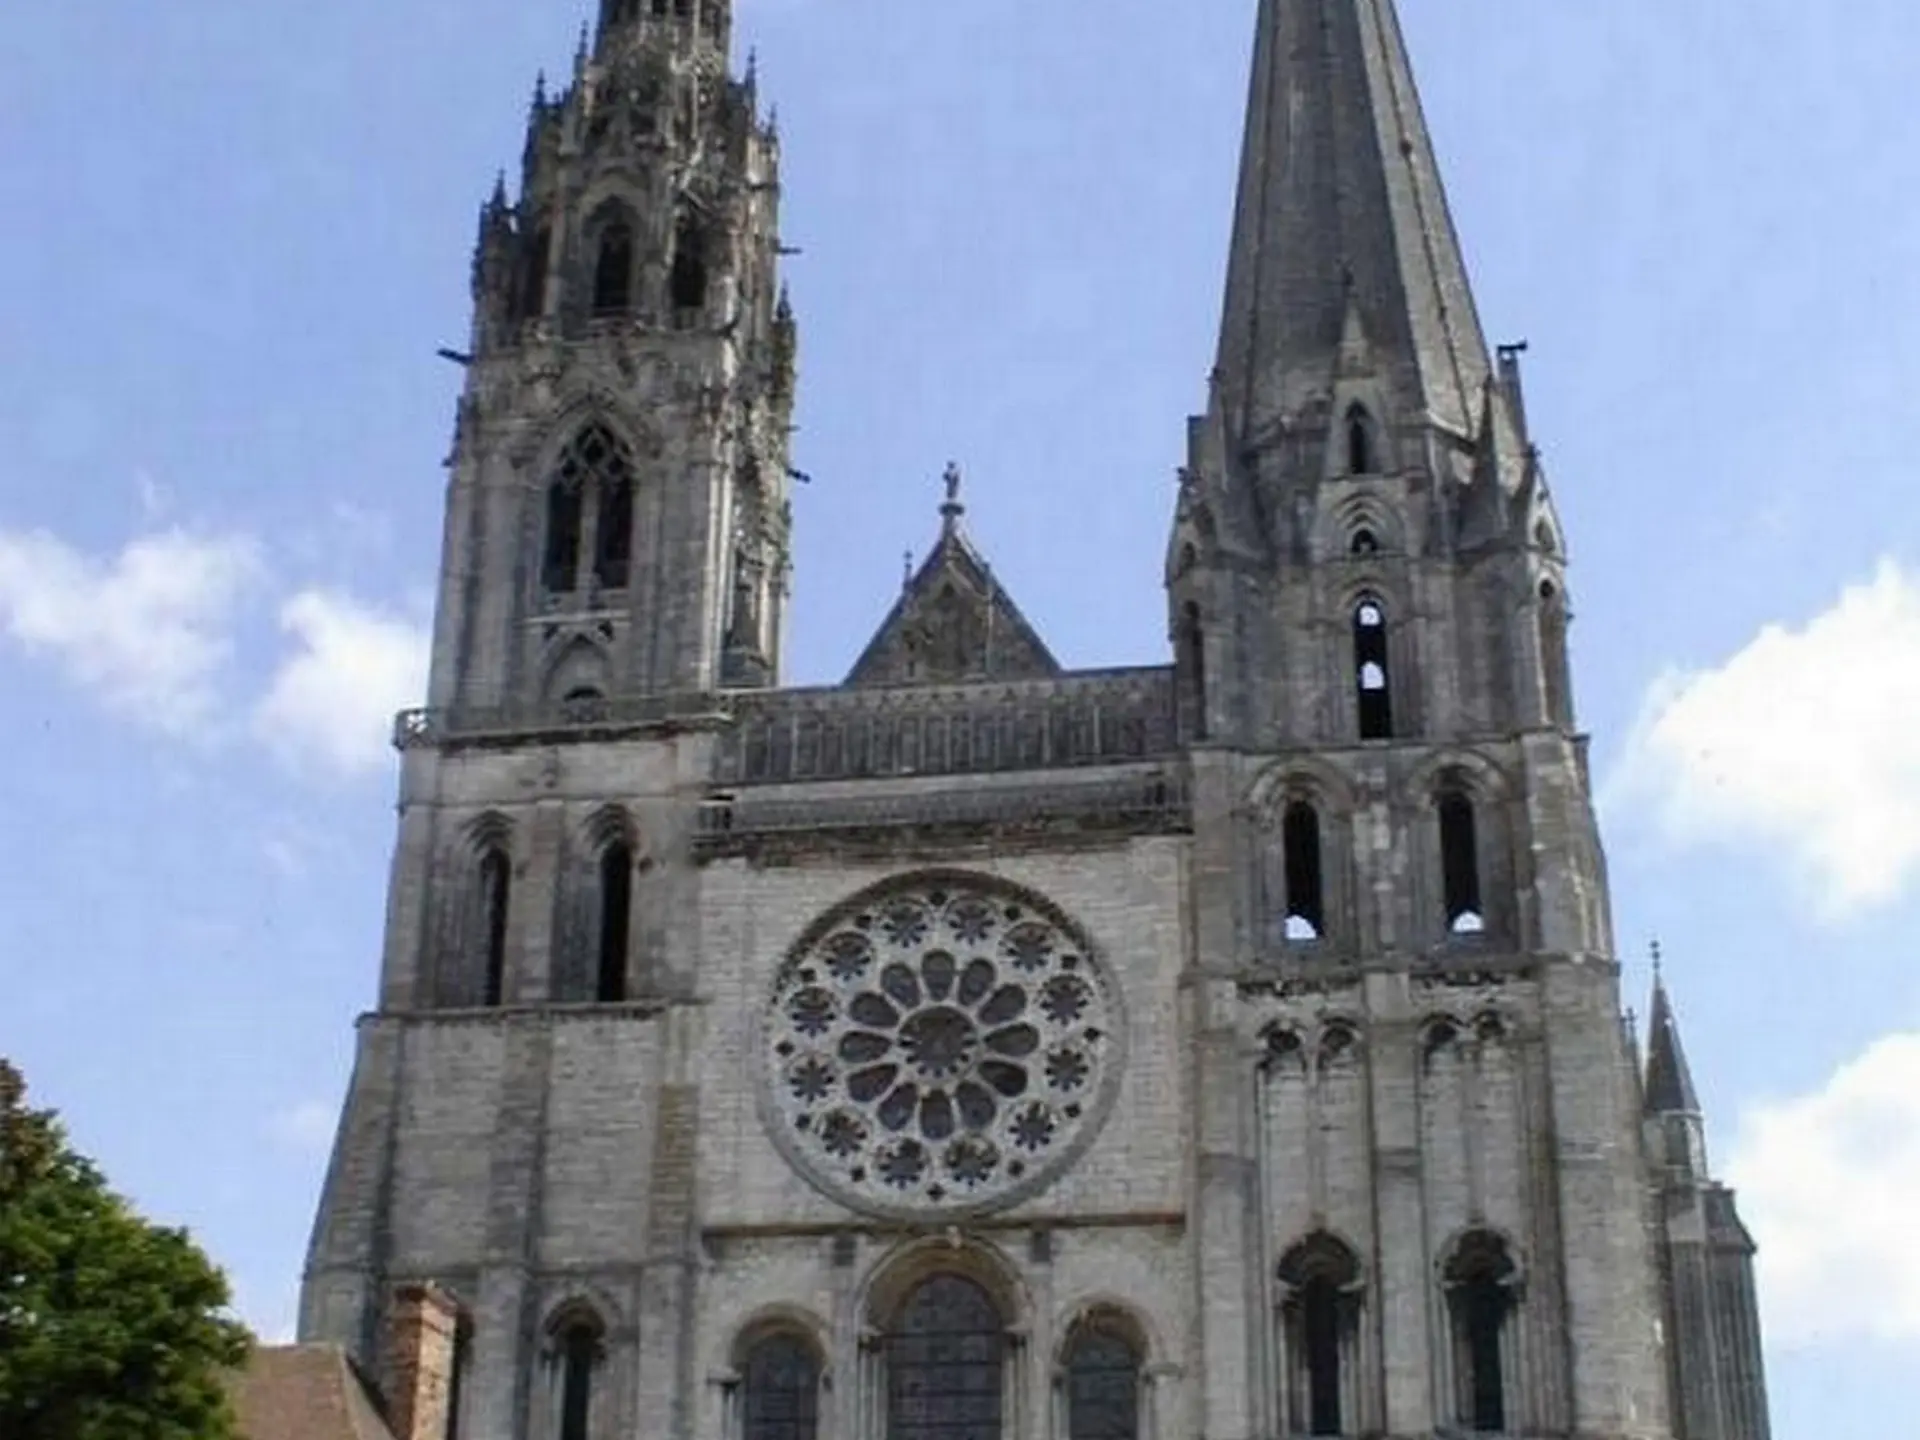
{"x": 111, "y": 1328}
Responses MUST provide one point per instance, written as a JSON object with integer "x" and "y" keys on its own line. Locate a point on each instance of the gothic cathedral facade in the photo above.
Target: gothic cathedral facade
{"x": 981, "y": 1049}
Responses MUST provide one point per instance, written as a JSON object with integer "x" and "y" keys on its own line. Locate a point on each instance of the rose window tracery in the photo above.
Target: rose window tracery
{"x": 943, "y": 1044}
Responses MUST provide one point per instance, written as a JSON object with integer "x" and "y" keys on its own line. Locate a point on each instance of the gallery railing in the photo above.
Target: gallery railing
{"x": 1098, "y": 717}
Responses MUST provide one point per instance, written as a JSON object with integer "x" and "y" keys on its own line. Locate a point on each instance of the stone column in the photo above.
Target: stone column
{"x": 1402, "y": 1272}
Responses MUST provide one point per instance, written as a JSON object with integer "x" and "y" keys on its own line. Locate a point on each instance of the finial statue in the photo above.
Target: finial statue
{"x": 1659, "y": 959}
{"x": 951, "y": 512}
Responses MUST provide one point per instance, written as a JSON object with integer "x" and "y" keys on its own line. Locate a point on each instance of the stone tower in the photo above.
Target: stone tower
{"x": 1719, "y": 1373}
{"x": 981, "y": 1049}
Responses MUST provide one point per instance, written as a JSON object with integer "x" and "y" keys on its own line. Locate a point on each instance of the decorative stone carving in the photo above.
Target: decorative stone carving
{"x": 940, "y": 1046}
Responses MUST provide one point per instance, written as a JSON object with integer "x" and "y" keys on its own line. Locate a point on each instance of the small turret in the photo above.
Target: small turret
{"x": 1676, "y": 1125}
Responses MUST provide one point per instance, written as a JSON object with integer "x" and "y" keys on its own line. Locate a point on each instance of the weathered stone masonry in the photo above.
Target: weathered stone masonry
{"x": 1228, "y": 1048}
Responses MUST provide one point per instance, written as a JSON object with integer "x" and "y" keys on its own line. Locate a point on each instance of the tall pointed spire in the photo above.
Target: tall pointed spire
{"x": 1669, "y": 1088}
{"x": 1341, "y": 206}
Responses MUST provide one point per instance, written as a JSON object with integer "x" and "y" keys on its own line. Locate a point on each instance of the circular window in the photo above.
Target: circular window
{"x": 945, "y": 1044}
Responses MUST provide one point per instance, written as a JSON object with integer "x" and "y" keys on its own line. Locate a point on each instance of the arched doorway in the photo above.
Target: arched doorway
{"x": 946, "y": 1361}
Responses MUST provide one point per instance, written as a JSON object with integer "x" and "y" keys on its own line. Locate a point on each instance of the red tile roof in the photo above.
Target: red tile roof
{"x": 306, "y": 1392}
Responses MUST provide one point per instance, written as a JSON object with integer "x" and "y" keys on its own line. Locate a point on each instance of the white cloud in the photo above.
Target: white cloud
{"x": 333, "y": 700}
{"x": 307, "y": 1128}
{"x": 1805, "y": 742}
{"x": 1830, "y": 1185}
{"x": 149, "y": 629}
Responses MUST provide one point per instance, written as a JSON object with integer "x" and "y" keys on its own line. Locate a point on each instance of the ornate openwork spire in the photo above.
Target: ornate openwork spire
{"x": 1342, "y": 223}
{"x": 694, "y": 19}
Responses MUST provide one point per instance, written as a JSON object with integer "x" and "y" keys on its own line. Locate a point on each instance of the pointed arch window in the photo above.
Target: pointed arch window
{"x": 1557, "y": 677}
{"x": 687, "y": 283}
{"x": 1306, "y": 918}
{"x": 1363, "y": 441}
{"x": 1320, "y": 1329}
{"x": 1480, "y": 1281}
{"x": 613, "y": 534}
{"x": 1371, "y": 661}
{"x": 945, "y": 1361}
{"x": 530, "y": 285}
{"x": 561, "y": 571}
{"x": 1460, "y": 863}
{"x": 1192, "y": 651}
{"x": 1103, "y": 1369}
{"x": 781, "y": 1384}
{"x": 496, "y": 881}
{"x": 613, "y": 267}
{"x": 616, "y": 921}
{"x": 577, "y": 1347}
{"x": 589, "y": 520}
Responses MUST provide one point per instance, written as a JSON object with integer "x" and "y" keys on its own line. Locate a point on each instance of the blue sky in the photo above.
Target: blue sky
{"x": 237, "y": 232}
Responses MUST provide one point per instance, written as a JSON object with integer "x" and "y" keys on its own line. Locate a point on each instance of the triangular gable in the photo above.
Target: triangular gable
{"x": 953, "y": 622}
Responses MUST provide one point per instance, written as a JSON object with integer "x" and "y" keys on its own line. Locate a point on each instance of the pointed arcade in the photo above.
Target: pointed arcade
{"x": 1341, "y": 205}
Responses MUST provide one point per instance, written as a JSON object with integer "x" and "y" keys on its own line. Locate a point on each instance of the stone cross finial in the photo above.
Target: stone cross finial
{"x": 1659, "y": 959}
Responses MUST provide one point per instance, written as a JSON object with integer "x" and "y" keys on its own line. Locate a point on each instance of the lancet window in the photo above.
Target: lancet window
{"x": 1480, "y": 1281}
{"x": 613, "y": 267}
{"x": 1363, "y": 442}
{"x": 616, "y": 921}
{"x": 1320, "y": 1336}
{"x": 780, "y": 1397}
{"x": 495, "y": 885}
{"x": 1306, "y": 897}
{"x": 945, "y": 1361}
{"x": 1460, "y": 863}
{"x": 1372, "y": 682}
{"x": 576, "y": 1359}
{"x": 1103, "y": 1371}
{"x": 589, "y": 518}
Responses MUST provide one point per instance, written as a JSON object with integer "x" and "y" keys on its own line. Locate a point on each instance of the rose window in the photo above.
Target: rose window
{"x": 943, "y": 1045}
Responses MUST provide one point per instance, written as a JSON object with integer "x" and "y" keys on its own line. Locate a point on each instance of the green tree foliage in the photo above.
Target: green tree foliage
{"x": 110, "y": 1328}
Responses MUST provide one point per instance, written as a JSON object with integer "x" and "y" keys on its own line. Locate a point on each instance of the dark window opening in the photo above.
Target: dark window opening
{"x": 1103, "y": 1386}
{"x": 944, "y": 1364}
{"x": 530, "y": 291}
{"x": 1460, "y": 864}
{"x": 579, "y": 1354}
{"x": 688, "y": 282}
{"x": 1365, "y": 543}
{"x": 616, "y": 920}
{"x": 561, "y": 571}
{"x": 1321, "y": 1323}
{"x": 613, "y": 536}
{"x": 613, "y": 270}
{"x": 1320, "y": 1320}
{"x": 1370, "y": 669}
{"x": 457, "y": 1376}
{"x": 496, "y": 878}
{"x": 1193, "y": 662}
{"x": 1480, "y": 1301}
{"x": 1557, "y": 678}
{"x": 1362, "y": 448}
{"x": 782, "y": 1384}
{"x": 1306, "y": 885}
{"x": 595, "y": 478}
